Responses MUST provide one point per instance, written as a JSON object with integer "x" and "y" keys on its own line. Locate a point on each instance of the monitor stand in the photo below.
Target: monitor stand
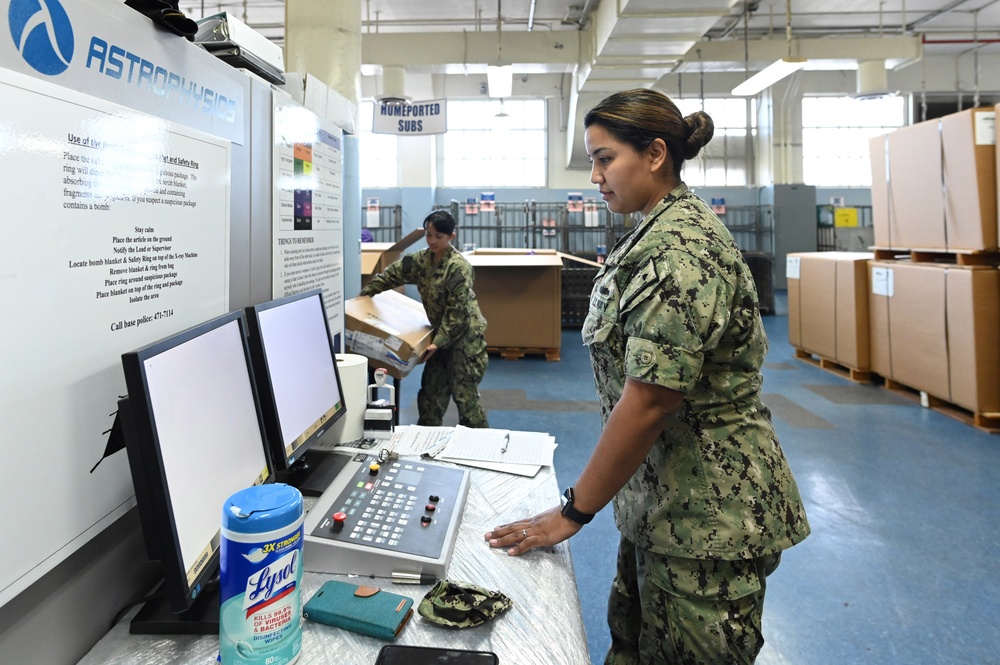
{"x": 156, "y": 617}
{"x": 314, "y": 471}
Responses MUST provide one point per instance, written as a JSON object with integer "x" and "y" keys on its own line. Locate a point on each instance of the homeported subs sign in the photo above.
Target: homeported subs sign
{"x": 410, "y": 119}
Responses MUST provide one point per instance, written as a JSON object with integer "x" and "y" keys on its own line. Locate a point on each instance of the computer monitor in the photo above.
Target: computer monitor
{"x": 194, "y": 437}
{"x": 299, "y": 386}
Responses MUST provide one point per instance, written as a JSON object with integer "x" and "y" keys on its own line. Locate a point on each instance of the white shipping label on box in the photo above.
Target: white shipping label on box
{"x": 985, "y": 128}
{"x": 371, "y": 346}
{"x": 792, "y": 267}
{"x": 882, "y": 282}
{"x": 363, "y": 343}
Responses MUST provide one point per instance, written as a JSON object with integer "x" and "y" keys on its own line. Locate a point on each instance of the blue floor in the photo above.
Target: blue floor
{"x": 902, "y": 566}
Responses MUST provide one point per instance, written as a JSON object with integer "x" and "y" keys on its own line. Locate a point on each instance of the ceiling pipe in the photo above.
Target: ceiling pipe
{"x": 531, "y": 15}
{"x": 925, "y": 40}
{"x": 585, "y": 14}
{"x": 933, "y": 15}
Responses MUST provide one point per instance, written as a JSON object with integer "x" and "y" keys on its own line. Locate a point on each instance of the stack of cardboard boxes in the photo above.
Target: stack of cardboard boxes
{"x": 520, "y": 294}
{"x": 828, "y": 307}
{"x": 933, "y": 293}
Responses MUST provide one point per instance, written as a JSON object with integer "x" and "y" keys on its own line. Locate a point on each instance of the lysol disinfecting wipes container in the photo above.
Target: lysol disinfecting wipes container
{"x": 260, "y": 621}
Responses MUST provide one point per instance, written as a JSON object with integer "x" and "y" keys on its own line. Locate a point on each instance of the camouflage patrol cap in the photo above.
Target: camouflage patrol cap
{"x": 461, "y": 605}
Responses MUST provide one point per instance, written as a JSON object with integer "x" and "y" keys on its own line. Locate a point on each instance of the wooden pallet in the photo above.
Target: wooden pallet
{"x": 516, "y": 352}
{"x": 850, "y": 373}
{"x": 983, "y": 421}
{"x": 958, "y": 257}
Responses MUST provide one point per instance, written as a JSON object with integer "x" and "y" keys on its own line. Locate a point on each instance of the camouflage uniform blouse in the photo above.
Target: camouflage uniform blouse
{"x": 675, "y": 305}
{"x": 446, "y": 292}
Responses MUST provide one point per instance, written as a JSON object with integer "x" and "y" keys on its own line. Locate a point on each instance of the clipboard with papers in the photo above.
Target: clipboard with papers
{"x": 508, "y": 451}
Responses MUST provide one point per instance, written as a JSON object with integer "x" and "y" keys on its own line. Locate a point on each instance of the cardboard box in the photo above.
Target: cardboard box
{"x": 934, "y": 184}
{"x": 828, "y": 305}
{"x": 916, "y": 204}
{"x": 879, "y": 146}
{"x": 377, "y": 256}
{"x": 389, "y": 329}
{"x": 968, "y": 142}
{"x": 918, "y": 335}
{"x": 520, "y": 294}
{"x": 973, "y": 305}
{"x": 934, "y": 329}
{"x": 880, "y": 286}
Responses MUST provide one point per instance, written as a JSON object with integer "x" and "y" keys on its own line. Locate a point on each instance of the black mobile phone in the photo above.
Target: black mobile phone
{"x": 399, "y": 654}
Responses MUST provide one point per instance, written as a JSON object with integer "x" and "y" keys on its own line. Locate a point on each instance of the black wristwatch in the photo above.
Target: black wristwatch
{"x": 569, "y": 510}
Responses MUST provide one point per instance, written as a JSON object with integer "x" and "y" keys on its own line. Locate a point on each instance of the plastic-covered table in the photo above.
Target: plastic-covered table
{"x": 544, "y": 626}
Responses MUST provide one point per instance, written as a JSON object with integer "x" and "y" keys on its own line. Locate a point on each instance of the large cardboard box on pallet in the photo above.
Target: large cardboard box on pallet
{"x": 916, "y": 204}
{"x": 390, "y": 329}
{"x": 934, "y": 329}
{"x": 934, "y": 184}
{"x": 520, "y": 294}
{"x": 828, "y": 305}
{"x": 879, "y": 148}
{"x": 880, "y": 286}
{"x": 973, "y": 304}
{"x": 968, "y": 144}
{"x": 918, "y": 328}
{"x": 377, "y": 256}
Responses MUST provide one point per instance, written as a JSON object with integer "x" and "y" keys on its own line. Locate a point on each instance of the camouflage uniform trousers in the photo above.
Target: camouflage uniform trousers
{"x": 668, "y": 610}
{"x": 454, "y": 372}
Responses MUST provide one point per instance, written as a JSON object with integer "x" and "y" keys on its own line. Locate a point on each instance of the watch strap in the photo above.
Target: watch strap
{"x": 570, "y": 511}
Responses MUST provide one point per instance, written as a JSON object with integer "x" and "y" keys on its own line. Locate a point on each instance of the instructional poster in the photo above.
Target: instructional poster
{"x": 308, "y": 209}
{"x": 115, "y": 234}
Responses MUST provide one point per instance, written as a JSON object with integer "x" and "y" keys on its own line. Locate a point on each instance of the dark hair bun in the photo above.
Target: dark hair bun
{"x": 700, "y": 130}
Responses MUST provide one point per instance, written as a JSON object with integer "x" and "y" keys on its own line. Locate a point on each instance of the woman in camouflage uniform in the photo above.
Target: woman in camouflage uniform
{"x": 456, "y": 359}
{"x": 702, "y": 494}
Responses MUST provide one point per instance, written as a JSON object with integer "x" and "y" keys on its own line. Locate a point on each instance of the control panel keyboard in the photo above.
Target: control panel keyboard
{"x": 383, "y": 518}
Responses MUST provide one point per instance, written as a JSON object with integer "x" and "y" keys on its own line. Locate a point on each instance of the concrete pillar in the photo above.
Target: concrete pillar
{"x": 323, "y": 38}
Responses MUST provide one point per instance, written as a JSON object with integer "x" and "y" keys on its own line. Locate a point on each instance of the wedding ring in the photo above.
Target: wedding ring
{"x": 524, "y": 534}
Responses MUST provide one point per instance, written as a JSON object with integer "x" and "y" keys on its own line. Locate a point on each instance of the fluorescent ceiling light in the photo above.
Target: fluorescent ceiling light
{"x": 767, "y": 77}
{"x": 500, "y": 79}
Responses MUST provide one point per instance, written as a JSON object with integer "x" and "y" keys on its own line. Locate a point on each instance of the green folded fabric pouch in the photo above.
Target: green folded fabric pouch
{"x": 461, "y": 605}
{"x": 359, "y": 608}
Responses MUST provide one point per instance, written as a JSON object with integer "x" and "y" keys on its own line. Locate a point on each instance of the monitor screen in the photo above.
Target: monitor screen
{"x": 194, "y": 437}
{"x": 298, "y": 383}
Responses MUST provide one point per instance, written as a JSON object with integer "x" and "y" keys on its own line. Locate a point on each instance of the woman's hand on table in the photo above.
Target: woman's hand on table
{"x": 543, "y": 530}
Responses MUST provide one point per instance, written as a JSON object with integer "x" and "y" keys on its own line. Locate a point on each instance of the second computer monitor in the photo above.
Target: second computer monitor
{"x": 298, "y": 384}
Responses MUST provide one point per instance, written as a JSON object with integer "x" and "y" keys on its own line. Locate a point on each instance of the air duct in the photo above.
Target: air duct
{"x": 873, "y": 81}
{"x": 393, "y": 86}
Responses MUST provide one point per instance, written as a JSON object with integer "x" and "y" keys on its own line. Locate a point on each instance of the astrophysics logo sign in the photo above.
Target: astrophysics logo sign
{"x": 42, "y": 34}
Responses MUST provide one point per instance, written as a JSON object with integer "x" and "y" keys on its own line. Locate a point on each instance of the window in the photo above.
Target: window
{"x": 483, "y": 150}
{"x": 725, "y": 160}
{"x": 835, "y": 133}
{"x": 377, "y": 152}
